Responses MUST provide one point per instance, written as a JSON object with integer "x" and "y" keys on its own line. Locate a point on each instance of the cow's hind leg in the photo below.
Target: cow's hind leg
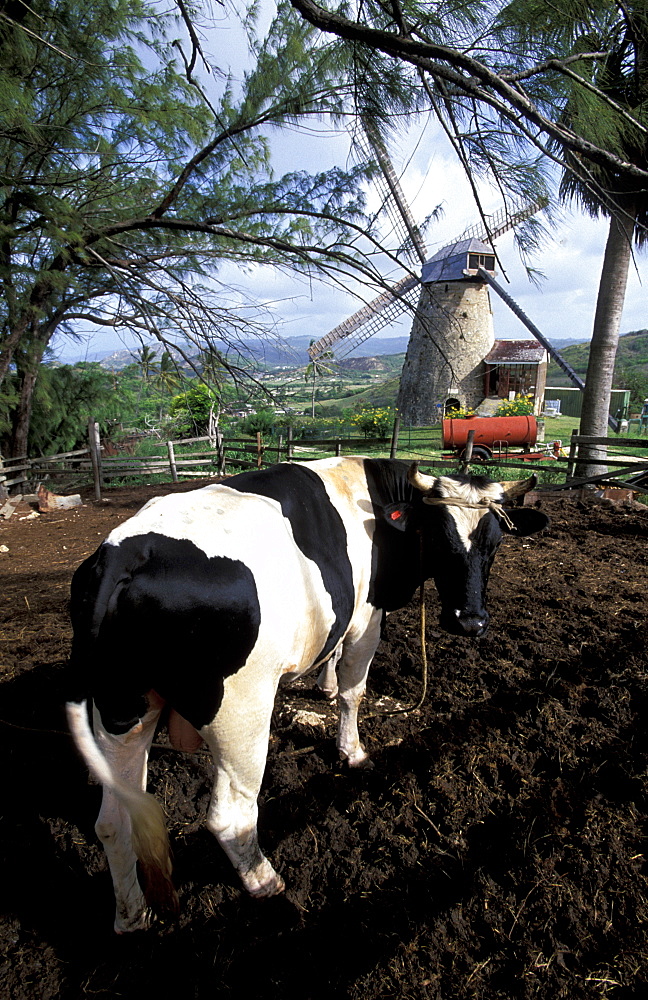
{"x": 327, "y": 680}
{"x": 238, "y": 740}
{"x": 127, "y": 756}
{"x": 354, "y": 666}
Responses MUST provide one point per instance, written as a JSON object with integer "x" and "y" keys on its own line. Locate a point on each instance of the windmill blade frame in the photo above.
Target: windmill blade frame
{"x": 387, "y": 307}
{"x": 370, "y": 319}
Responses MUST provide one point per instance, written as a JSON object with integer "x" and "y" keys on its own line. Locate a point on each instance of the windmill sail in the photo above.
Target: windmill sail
{"x": 369, "y": 320}
{"x": 387, "y": 307}
{"x": 394, "y": 201}
{"x": 502, "y": 221}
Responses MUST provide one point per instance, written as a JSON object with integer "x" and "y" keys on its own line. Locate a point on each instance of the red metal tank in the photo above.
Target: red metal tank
{"x": 514, "y": 432}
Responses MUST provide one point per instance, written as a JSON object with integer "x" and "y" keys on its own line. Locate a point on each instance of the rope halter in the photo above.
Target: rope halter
{"x": 484, "y": 503}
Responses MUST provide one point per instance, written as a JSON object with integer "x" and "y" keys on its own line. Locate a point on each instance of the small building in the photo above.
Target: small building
{"x": 516, "y": 367}
{"x": 571, "y": 401}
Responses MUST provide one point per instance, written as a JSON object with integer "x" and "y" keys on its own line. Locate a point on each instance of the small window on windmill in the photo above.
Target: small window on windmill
{"x": 485, "y": 260}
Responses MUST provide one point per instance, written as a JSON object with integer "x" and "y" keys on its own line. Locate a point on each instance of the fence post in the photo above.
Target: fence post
{"x": 95, "y": 456}
{"x": 289, "y": 445}
{"x": 338, "y": 447}
{"x": 279, "y": 447}
{"x": 573, "y": 448}
{"x": 468, "y": 450}
{"x": 172, "y": 461}
{"x": 259, "y": 450}
{"x": 394, "y": 441}
{"x": 220, "y": 449}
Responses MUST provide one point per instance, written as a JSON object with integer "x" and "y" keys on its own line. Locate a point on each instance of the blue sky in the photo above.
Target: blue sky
{"x": 570, "y": 259}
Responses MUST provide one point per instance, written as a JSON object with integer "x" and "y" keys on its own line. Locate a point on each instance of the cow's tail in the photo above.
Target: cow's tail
{"x": 149, "y": 834}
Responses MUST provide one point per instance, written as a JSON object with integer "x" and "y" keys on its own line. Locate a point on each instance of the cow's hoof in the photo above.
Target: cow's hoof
{"x": 263, "y": 882}
{"x": 278, "y": 885}
{"x": 359, "y": 759}
{"x": 140, "y": 923}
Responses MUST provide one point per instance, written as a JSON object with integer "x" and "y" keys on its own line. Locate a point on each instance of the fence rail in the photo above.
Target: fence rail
{"x": 91, "y": 466}
{"x": 50, "y": 466}
{"x": 623, "y": 465}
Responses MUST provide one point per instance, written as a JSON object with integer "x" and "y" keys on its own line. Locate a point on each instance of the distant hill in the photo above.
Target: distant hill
{"x": 387, "y": 363}
{"x": 632, "y": 357}
{"x": 291, "y": 353}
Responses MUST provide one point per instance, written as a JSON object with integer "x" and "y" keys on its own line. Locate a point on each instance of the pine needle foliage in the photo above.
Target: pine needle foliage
{"x": 132, "y": 169}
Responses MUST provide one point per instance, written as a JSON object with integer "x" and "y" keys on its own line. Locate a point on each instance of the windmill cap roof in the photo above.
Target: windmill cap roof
{"x": 448, "y": 263}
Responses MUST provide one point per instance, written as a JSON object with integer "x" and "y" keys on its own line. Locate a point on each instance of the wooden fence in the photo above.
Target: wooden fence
{"x": 17, "y": 471}
{"x": 91, "y": 465}
{"x": 620, "y": 468}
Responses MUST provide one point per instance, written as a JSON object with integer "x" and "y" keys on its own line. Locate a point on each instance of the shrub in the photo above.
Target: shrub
{"x": 518, "y": 407}
{"x": 374, "y": 422}
{"x": 461, "y": 413}
{"x": 191, "y": 409}
{"x": 261, "y": 422}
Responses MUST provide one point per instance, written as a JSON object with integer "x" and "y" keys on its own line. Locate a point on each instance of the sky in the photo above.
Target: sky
{"x": 561, "y": 305}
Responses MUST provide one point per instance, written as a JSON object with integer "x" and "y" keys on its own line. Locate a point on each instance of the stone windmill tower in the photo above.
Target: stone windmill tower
{"x": 451, "y": 334}
{"x": 452, "y": 330}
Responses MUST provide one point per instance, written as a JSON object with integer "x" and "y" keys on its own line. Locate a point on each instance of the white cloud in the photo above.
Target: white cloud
{"x": 562, "y": 306}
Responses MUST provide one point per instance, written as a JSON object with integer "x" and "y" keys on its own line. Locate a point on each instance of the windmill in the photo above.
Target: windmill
{"x": 403, "y": 296}
{"x": 452, "y": 330}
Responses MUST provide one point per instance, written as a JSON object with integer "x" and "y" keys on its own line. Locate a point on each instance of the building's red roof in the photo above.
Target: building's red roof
{"x": 520, "y": 351}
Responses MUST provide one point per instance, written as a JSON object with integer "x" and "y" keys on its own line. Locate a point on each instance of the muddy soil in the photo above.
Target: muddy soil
{"x": 498, "y": 849}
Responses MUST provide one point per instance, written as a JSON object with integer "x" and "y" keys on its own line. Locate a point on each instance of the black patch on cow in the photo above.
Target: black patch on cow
{"x": 396, "y": 549}
{"x": 157, "y": 613}
{"x": 461, "y": 577}
{"x": 318, "y": 531}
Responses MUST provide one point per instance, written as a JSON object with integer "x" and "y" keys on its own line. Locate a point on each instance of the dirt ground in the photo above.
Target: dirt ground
{"x": 498, "y": 849}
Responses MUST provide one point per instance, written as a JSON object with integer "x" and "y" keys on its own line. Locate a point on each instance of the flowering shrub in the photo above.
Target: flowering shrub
{"x": 460, "y": 413}
{"x": 518, "y": 407}
{"x": 374, "y": 422}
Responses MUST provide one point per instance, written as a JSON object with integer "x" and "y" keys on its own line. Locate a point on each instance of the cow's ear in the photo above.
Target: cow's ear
{"x": 525, "y": 521}
{"x": 397, "y": 514}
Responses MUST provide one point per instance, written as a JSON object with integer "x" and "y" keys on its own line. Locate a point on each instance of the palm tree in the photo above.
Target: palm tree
{"x": 316, "y": 368}
{"x": 624, "y": 78}
{"x": 146, "y": 361}
{"x": 607, "y": 104}
{"x": 167, "y": 378}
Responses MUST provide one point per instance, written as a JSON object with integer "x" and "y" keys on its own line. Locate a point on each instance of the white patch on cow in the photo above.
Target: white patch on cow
{"x": 467, "y": 518}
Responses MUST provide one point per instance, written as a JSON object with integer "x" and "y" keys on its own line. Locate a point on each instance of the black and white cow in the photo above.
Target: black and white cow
{"x": 205, "y": 600}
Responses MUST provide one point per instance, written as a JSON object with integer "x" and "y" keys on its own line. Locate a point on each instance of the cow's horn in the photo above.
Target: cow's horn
{"x": 418, "y": 480}
{"x": 512, "y": 488}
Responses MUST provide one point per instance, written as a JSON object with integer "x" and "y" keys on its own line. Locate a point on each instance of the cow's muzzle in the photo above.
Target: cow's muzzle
{"x": 465, "y": 623}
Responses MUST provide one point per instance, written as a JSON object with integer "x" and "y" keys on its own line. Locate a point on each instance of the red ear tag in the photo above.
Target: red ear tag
{"x": 395, "y": 515}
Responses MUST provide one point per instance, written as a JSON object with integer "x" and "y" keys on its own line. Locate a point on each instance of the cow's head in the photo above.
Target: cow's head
{"x": 462, "y": 522}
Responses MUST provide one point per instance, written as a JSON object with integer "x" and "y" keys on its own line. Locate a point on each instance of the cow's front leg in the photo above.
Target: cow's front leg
{"x": 352, "y": 673}
{"x": 127, "y": 756}
{"x": 238, "y": 740}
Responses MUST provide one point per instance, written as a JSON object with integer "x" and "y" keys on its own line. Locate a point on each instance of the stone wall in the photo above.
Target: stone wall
{"x": 451, "y": 335}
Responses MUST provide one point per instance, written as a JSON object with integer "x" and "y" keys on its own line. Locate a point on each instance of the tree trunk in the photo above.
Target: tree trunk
{"x": 22, "y": 415}
{"x": 9, "y": 346}
{"x": 605, "y": 339}
{"x": 28, "y": 371}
